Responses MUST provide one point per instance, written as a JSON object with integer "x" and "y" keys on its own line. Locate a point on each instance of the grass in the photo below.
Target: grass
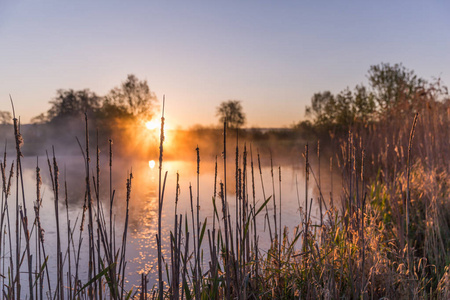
{"x": 386, "y": 235}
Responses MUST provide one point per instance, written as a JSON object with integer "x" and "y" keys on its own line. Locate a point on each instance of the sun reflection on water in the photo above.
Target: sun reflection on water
{"x": 151, "y": 164}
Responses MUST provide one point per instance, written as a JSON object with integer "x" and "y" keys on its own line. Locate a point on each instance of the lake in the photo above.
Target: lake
{"x": 141, "y": 251}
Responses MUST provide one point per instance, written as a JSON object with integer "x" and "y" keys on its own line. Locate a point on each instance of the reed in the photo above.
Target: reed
{"x": 160, "y": 204}
{"x": 388, "y": 237}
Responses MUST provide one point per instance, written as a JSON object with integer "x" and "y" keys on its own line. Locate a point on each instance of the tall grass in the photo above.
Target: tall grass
{"x": 388, "y": 235}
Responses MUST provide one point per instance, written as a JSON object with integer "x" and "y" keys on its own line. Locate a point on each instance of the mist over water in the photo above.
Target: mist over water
{"x": 284, "y": 155}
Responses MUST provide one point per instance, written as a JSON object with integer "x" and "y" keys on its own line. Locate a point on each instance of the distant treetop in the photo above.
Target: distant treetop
{"x": 132, "y": 99}
{"x": 232, "y": 112}
{"x": 392, "y": 88}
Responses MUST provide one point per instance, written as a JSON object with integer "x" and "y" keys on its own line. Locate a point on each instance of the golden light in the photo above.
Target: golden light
{"x": 156, "y": 124}
{"x": 151, "y": 164}
{"x": 153, "y": 124}
{"x": 152, "y": 135}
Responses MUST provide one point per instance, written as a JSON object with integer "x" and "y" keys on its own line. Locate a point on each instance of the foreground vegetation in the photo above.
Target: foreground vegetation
{"x": 386, "y": 235}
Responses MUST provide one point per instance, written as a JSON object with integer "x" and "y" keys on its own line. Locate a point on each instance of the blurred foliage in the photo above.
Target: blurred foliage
{"x": 392, "y": 84}
{"x": 72, "y": 104}
{"x": 132, "y": 99}
{"x": 5, "y": 118}
{"x": 232, "y": 112}
{"x": 392, "y": 89}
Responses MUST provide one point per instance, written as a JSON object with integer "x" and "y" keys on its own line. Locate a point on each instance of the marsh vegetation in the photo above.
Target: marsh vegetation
{"x": 368, "y": 218}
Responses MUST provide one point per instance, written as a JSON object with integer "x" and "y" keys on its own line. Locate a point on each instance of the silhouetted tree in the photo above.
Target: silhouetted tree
{"x": 132, "y": 98}
{"x": 392, "y": 84}
{"x": 232, "y": 112}
{"x": 323, "y": 108}
{"x": 5, "y": 117}
{"x": 364, "y": 103}
{"x": 389, "y": 86}
{"x": 40, "y": 119}
{"x": 329, "y": 110}
{"x": 72, "y": 104}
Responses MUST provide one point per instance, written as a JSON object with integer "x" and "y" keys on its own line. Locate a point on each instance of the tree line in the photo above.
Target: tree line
{"x": 391, "y": 90}
{"x": 132, "y": 99}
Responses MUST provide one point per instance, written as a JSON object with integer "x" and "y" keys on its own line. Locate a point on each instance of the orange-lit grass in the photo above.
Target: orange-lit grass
{"x": 357, "y": 250}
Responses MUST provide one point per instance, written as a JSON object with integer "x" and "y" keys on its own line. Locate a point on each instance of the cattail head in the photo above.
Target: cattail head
{"x": 11, "y": 174}
{"x": 215, "y": 178}
{"x": 198, "y": 159}
{"x": 38, "y": 186}
{"x": 110, "y": 152}
{"x": 3, "y": 177}
{"x": 279, "y": 172}
{"x": 129, "y": 186}
{"x": 178, "y": 188}
{"x": 84, "y": 212}
{"x": 306, "y": 162}
{"x": 42, "y": 231}
{"x": 56, "y": 169}
{"x": 18, "y": 137}
{"x": 38, "y": 177}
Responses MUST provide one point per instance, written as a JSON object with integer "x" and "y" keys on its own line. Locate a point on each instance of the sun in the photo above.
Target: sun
{"x": 153, "y": 124}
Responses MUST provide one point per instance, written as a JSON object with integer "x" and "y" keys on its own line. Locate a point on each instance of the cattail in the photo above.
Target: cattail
{"x": 11, "y": 174}
{"x": 408, "y": 196}
{"x": 3, "y": 177}
{"x": 160, "y": 199}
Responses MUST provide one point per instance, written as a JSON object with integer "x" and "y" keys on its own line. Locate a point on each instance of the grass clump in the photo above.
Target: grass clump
{"x": 386, "y": 235}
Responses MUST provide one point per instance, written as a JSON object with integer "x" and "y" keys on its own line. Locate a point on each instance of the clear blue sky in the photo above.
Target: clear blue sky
{"x": 272, "y": 55}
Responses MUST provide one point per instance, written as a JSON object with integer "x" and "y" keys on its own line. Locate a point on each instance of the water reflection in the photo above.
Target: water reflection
{"x": 151, "y": 164}
{"x": 141, "y": 248}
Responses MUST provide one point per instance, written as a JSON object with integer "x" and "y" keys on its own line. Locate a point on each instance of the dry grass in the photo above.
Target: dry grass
{"x": 388, "y": 235}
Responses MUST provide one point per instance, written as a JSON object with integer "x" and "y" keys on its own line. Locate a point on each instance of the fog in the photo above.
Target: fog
{"x": 272, "y": 159}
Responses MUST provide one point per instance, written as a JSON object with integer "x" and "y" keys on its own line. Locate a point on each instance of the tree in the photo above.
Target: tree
{"x": 5, "y": 117}
{"x": 391, "y": 88}
{"x": 364, "y": 103}
{"x": 40, "y": 119}
{"x": 323, "y": 108}
{"x": 346, "y": 108}
{"x": 132, "y": 97}
{"x": 71, "y": 104}
{"x": 393, "y": 84}
{"x": 232, "y": 112}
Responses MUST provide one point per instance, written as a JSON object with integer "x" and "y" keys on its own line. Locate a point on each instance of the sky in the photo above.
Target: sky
{"x": 271, "y": 55}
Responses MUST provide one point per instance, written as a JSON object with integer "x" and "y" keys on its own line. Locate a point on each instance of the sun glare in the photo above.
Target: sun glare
{"x": 154, "y": 127}
{"x": 151, "y": 164}
{"x": 153, "y": 124}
